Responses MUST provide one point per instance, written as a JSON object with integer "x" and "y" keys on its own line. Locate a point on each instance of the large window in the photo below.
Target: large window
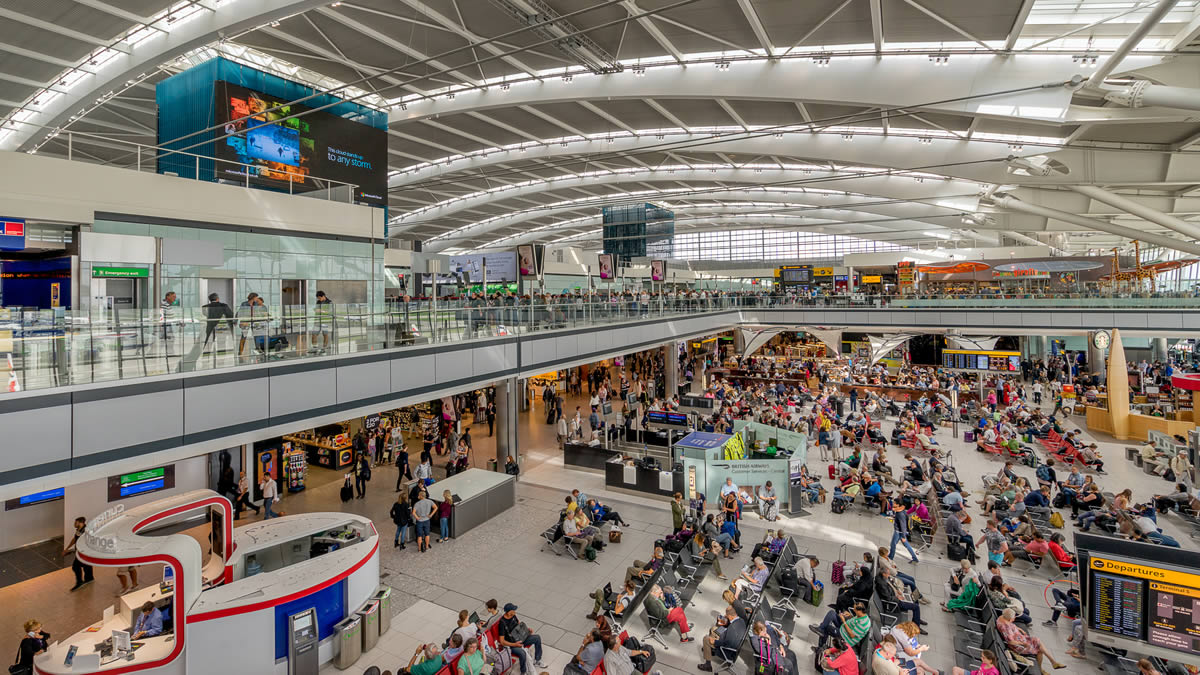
{"x": 772, "y": 244}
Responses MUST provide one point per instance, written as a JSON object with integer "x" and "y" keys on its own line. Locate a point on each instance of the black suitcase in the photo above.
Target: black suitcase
{"x": 956, "y": 551}
{"x": 347, "y": 491}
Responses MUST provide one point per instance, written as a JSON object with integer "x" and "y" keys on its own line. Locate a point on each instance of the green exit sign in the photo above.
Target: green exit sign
{"x": 120, "y": 272}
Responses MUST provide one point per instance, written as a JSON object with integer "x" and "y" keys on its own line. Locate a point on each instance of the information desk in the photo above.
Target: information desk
{"x": 230, "y": 614}
{"x": 480, "y": 495}
{"x": 631, "y": 476}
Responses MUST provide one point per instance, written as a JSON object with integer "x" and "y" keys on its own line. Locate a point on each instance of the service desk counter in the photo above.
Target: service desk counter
{"x": 88, "y": 658}
{"x": 480, "y": 496}
{"x": 587, "y": 456}
{"x": 626, "y": 476}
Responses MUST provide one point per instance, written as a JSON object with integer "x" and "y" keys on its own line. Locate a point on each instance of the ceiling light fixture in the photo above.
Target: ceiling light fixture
{"x": 822, "y": 60}
{"x": 925, "y": 139}
{"x": 722, "y": 65}
{"x": 639, "y": 70}
{"x": 847, "y": 137}
{"x": 1086, "y": 60}
{"x": 940, "y": 59}
{"x": 275, "y": 24}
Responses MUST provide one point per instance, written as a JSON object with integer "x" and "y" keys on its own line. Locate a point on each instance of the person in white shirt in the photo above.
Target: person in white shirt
{"x": 728, "y": 487}
{"x": 806, "y": 570}
{"x": 269, "y": 492}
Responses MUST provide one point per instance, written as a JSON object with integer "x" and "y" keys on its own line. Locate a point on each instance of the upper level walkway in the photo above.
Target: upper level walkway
{"x": 61, "y": 349}
{"x": 106, "y": 398}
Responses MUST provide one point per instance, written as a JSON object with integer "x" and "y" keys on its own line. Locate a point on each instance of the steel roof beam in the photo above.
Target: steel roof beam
{"x": 647, "y": 24}
{"x": 226, "y": 19}
{"x": 1014, "y": 33}
{"x": 756, "y": 25}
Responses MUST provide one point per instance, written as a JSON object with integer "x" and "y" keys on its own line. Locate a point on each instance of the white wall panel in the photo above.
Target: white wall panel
{"x": 33, "y": 188}
{"x": 489, "y": 359}
{"x": 411, "y": 372}
{"x": 42, "y": 435}
{"x": 452, "y": 366}
{"x": 126, "y": 421}
{"x": 306, "y": 390}
{"x": 363, "y": 380}
{"x": 225, "y": 404}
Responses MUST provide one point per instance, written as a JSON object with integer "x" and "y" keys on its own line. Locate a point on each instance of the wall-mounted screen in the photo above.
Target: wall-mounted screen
{"x": 141, "y": 482}
{"x": 500, "y": 266}
{"x": 35, "y": 498}
{"x": 305, "y": 151}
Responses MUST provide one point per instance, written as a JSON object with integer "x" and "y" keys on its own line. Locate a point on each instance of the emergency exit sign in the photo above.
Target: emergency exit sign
{"x": 120, "y": 272}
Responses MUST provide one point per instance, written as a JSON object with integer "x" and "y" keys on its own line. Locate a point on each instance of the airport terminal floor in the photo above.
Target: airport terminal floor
{"x": 506, "y": 560}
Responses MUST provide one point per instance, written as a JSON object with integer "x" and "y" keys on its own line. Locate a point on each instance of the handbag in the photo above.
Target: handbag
{"x": 520, "y": 634}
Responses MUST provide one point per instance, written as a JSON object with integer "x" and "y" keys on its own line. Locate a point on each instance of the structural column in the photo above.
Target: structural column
{"x": 1097, "y": 358}
{"x": 670, "y": 369}
{"x": 1158, "y": 349}
{"x": 507, "y": 404}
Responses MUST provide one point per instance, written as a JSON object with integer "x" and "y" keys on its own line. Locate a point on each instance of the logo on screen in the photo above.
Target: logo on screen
{"x": 1098, "y": 564}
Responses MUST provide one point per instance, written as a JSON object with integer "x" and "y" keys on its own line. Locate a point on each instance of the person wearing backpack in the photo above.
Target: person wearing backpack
{"x": 362, "y": 474}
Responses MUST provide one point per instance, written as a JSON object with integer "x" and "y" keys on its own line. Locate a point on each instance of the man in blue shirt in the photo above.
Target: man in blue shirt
{"x": 149, "y": 622}
{"x": 1039, "y": 498}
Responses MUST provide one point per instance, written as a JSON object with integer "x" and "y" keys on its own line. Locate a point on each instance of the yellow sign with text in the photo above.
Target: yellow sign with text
{"x": 872, "y": 279}
{"x": 822, "y": 271}
{"x": 1144, "y": 572}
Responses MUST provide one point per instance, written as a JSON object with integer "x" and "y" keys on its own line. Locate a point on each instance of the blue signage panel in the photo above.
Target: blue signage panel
{"x": 12, "y": 234}
{"x": 703, "y": 440}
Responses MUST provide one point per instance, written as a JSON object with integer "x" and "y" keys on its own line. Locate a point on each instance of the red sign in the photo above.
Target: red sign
{"x": 13, "y": 228}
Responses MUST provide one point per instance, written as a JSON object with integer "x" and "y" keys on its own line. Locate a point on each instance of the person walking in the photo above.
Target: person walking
{"x": 83, "y": 571}
{"x": 402, "y": 517}
{"x": 270, "y": 491}
{"x": 214, "y": 312}
{"x": 403, "y": 469}
{"x": 422, "y": 512}
{"x": 491, "y": 417}
{"x": 362, "y": 474}
{"x": 243, "y": 497}
{"x": 323, "y": 326}
{"x": 166, "y": 310}
{"x": 900, "y": 531}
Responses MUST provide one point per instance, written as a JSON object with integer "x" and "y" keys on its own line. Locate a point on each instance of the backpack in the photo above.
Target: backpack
{"x": 1056, "y": 520}
{"x": 1060, "y": 500}
{"x": 589, "y": 553}
{"x": 1043, "y": 473}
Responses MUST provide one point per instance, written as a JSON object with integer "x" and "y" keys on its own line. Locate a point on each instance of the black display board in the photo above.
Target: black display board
{"x": 297, "y": 150}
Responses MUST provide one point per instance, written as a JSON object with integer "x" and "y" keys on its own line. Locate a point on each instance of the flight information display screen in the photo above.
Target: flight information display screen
{"x": 1174, "y": 617}
{"x": 1118, "y": 603}
{"x": 1143, "y": 601}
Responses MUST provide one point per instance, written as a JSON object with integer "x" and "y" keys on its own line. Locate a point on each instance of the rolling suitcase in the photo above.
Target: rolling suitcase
{"x": 347, "y": 491}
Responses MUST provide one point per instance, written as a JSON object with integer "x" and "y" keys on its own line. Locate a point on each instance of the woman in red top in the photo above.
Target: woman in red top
{"x": 987, "y": 665}
{"x": 839, "y": 659}
{"x": 1065, "y": 559}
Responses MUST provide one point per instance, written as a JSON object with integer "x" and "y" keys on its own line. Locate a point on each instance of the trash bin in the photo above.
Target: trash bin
{"x": 384, "y": 598}
{"x": 369, "y": 613}
{"x": 348, "y": 638}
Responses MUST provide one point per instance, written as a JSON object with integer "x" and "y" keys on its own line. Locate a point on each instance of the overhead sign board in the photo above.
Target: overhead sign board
{"x": 12, "y": 234}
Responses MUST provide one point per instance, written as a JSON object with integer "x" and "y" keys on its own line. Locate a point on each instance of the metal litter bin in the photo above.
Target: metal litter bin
{"x": 369, "y": 613}
{"x": 348, "y": 638}
{"x": 384, "y": 598}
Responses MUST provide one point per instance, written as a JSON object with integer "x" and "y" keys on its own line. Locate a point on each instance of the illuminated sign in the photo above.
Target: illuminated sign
{"x": 35, "y": 498}
{"x": 822, "y": 271}
{"x": 1144, "y": 572}
{"x": 872, "y": 279}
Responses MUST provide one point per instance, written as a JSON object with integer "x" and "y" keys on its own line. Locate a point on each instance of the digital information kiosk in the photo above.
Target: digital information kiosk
{"x": 264, "y": 598}
{"x": 1134, "y": 600}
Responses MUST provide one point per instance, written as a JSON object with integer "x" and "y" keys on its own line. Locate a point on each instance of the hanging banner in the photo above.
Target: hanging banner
{"x": 757, "y": 338}
{"x": 882, "y": 344}
{"x": 965, "y": 342}
{"x": 832, "y": 337}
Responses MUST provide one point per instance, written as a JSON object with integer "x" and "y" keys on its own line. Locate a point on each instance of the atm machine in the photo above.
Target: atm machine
{"x": 303, "y": 642}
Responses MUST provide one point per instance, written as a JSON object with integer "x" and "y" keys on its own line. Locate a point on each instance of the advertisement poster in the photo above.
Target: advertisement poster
{"x": 658, "y": 270}
{"x": 606, "y": 265}
{"x": 525, "y": 260}
{"x": 501, "y": 267}
{"x": 293, "y": 153}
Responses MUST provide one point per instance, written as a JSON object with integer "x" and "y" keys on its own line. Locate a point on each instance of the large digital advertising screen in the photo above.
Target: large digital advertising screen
{"x": 306, "y": 150}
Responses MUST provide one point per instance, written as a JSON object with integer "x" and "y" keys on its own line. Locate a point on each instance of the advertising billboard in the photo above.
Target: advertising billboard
{"x": 606, "y": 265}
{"x": 658, "y": 270}
{"x": 303, "y": 151}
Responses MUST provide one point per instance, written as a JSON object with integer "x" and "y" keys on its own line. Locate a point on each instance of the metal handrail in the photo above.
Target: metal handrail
{"x": 247, "y": 169}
